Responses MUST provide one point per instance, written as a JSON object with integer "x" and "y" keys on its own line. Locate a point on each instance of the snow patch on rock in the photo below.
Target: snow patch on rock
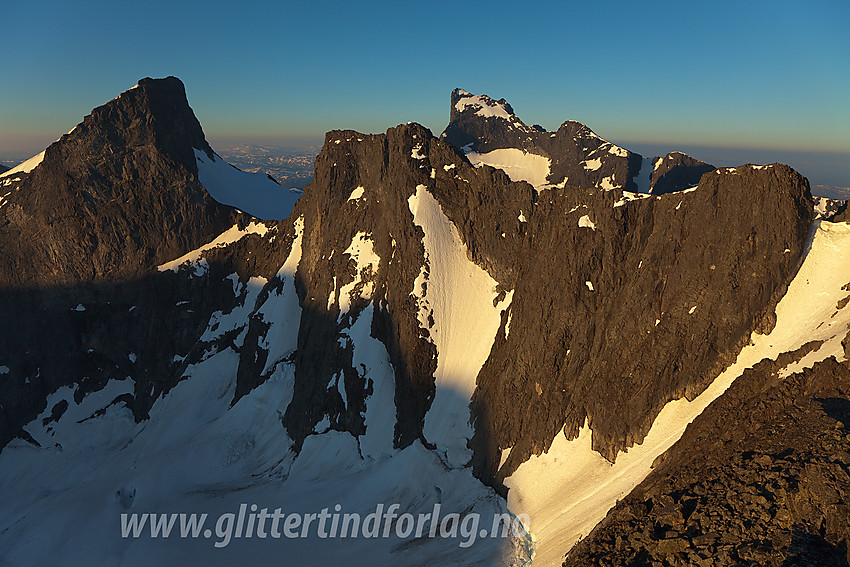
{"x": 592, "y": 164}
{"x": 356, "y": 194}
{"x": 585, "y": 222}
{"x": 518, "y": 164}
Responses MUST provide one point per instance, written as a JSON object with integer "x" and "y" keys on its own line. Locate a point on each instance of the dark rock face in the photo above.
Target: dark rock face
{"x": 677, "y": 171}
{"x": 3, "y": 168}
{"x": 760, "y": 478}
{"x": 480, "y": 201}
{"x": 709, "y": 265}
{"x": 382, "y": 166}
{"x": 611, "y": 323}
{"x": 578, "y": 156}
{"x": 114, "y": 197}
{"x": 80, "y": 236}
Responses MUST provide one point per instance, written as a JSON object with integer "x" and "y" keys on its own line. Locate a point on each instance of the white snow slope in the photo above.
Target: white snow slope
{"x": 518, "y": 164}
{"x": 459, "y": 297}
{"x": 252, "y": 193}
{"x": 63, "y": 501}
{"x": 26, "y": 166}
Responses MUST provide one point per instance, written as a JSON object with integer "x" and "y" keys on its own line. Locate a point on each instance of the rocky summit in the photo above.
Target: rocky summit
{"x": 489, "y": 132}
{"x": 642, "y": 357}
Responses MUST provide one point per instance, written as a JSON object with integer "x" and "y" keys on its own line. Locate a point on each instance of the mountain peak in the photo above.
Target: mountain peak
{"x": 489, "y": 132}
{"x": 482, "y": 106}
{"x": 129, "y": 168}
{"x": 154, "y": 111}
{"x": 479, "y": 121}
{"x": 578, "y": 126}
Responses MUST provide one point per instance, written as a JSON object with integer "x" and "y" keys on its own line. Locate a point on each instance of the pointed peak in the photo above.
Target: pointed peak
{"x": 156, "y": 89}
{"x": 579, "y": 129}
{"x": 156, "y": 110}
{"x": 481, "y": 105}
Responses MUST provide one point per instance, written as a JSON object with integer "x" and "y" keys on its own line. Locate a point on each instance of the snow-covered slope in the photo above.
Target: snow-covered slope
{"x": 252, "y": 193}
{"x": 460, "y": 298}
{"x": 26, "y": 166}
{"x": 201, "y": 453}
{"x": 519, "y": 165}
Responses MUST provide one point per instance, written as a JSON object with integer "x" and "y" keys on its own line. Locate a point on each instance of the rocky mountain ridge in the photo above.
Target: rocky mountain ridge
{"x": 576, "y": 155}
{"x": 414, "y": 302}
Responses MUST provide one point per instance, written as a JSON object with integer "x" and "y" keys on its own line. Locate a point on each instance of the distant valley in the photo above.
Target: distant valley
{"x": 291, "y": 166}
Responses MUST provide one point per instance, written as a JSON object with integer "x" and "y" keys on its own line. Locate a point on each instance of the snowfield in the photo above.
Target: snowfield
{"x": 252, "y": 193}
{"x": 26, "y": 166}
{"x": 198, "y": 454}
{"x": 518, "y": 164}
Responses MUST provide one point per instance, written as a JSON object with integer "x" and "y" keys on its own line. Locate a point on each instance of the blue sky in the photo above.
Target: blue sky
{"x": 747, "y": 74}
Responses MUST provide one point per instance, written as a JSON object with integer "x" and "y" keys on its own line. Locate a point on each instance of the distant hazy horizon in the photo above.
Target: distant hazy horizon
{"x": 762, "y": 74}
{"x": 821, "y": 168}
{"x": 727, "y": 82}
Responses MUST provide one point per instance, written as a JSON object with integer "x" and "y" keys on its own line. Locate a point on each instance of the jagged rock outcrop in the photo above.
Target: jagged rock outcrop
{"x": 577, "y": 155}
{"x": 369, "y": 180}
{"x": 591, "y": 272}
{"x": 761, "y": 477}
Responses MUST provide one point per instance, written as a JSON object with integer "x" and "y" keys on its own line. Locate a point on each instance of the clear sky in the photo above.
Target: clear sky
{"x": 747, "y": 74}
